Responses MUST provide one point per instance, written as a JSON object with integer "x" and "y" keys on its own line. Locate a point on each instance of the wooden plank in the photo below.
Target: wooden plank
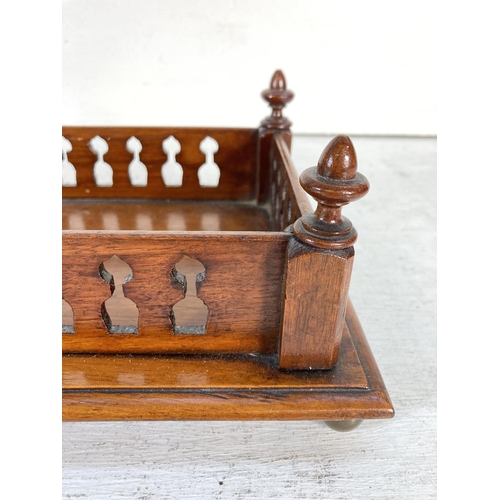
{"x": 194, "y": 372}
{"x": 242, "y": 290}
{"x": 281, "y": 152}
{"x": 287, "y": 200}
{"x": 236, "y": 158}
{"x": 276, "y": 396}
{"x": 159, "y": 215}
{"x": 316, "y": 286}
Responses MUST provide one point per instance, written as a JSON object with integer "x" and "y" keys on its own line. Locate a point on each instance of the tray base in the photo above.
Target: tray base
{"x": 159, "y": 215}
{"x": 103, "y": 387}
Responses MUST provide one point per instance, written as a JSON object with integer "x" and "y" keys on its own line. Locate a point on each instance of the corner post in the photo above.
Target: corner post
{"x": 319, "y": 262}
{"x": 277, "y": 96}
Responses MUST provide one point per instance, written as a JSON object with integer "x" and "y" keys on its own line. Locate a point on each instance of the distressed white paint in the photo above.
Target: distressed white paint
{"x": 358, "y": 67}
{"x": 393, "y": 289}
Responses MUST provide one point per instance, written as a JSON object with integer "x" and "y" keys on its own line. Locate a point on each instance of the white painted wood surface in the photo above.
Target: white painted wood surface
{"x": 393, "y": 289}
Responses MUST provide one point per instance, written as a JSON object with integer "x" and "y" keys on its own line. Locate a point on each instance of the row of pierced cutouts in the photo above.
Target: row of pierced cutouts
{"x": 121, "y": 315}
{"x": 171, "y": 170}
{"x": 283, "y": 212}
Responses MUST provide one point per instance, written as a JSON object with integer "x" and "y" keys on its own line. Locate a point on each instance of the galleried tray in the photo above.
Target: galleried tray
{"x": 199, "y": 284}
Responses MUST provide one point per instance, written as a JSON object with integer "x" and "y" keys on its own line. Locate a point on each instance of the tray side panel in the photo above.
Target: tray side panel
{"x": 241, "y": 289}
{"x": 236, "y": 157}
{"x": 287, "y": 200}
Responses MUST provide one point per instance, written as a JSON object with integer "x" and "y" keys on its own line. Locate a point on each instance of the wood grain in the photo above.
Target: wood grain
{"x": 319, "y": 261}
{"x": 236, "y": 159}
{"x": 269, "y": 394}
{"x": 242, "y": 289}
{"x": 121, "y": 372}
{"x": 281, "y": 154}
{"x": 287, "y": 200}
{"x": 393, "y": 288}
{"x": 315, "y": 299}
{"x": 159, "y": 215}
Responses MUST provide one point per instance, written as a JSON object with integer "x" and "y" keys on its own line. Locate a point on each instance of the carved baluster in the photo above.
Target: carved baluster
{"x": 319, "y": 262}
{"x": 278, "y": 96}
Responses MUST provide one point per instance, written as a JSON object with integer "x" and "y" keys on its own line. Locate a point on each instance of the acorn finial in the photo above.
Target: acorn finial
{"x": 333, "y": 183}
{"x": 278, "y": 97}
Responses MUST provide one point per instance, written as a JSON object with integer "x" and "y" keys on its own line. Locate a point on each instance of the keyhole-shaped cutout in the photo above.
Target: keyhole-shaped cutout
{"x": 119, "y": 313}
{"x": 67, "y": 318}
{"x": 171, "y": 171}
{"x": 103, "y": 173}
{"x": 190, "y": 314}
{"x": 68, "y": 169}
{"x": 209, "y": 172}
{"x": 137, "y": 171}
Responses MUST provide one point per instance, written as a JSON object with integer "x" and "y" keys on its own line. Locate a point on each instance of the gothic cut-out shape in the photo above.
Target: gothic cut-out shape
{"x": 137, "y": 171}
{"x": 120, "y": 314}
{"x": 68, "y": 169}
{"x": 171, "y": 170}
{"x": 103, "y": 173}
{"x": 209, "y": 172}
{"x": 67, "y": 318}
{"x": 190, "y": 314}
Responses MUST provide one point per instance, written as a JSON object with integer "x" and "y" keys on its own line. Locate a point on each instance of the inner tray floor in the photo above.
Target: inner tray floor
{"x": 163, "y": 216}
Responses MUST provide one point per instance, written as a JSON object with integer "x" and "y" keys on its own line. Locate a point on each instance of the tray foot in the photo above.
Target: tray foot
{"x": 344, "y": 425}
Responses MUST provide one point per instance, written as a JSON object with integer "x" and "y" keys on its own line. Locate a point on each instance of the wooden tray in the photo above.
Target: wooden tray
{"x": 199, "y": 284}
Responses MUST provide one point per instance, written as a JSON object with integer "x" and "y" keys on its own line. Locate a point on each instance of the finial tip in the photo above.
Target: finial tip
{"x": 338, "y": 160}
{"x": 278, "y": 81}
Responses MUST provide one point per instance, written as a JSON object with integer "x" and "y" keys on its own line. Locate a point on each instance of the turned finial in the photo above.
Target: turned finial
{"x": 333, "y": 183}
{"x": 278, "y": 97}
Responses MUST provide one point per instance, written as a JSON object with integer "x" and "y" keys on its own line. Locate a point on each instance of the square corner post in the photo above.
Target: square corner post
{"x": 319, "y": 261}
{"x": 315, "y": 300}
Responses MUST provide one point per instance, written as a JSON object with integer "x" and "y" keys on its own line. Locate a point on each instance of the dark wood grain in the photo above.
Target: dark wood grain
{"x": 242, "y": 289}
{"x": 277, "y": 96}
{"x": 159, "y": 215}
{"x": 254, "y": 282}
{"x": 287, "y": 200}
{"x": 316, "y": 285}
{"x": 319, "y": 262}
{"x": 333, "y": 183}
{"x": 236, "y": 158}
{"x": 112, "y": 372}
{"x": 140, "y": 390}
